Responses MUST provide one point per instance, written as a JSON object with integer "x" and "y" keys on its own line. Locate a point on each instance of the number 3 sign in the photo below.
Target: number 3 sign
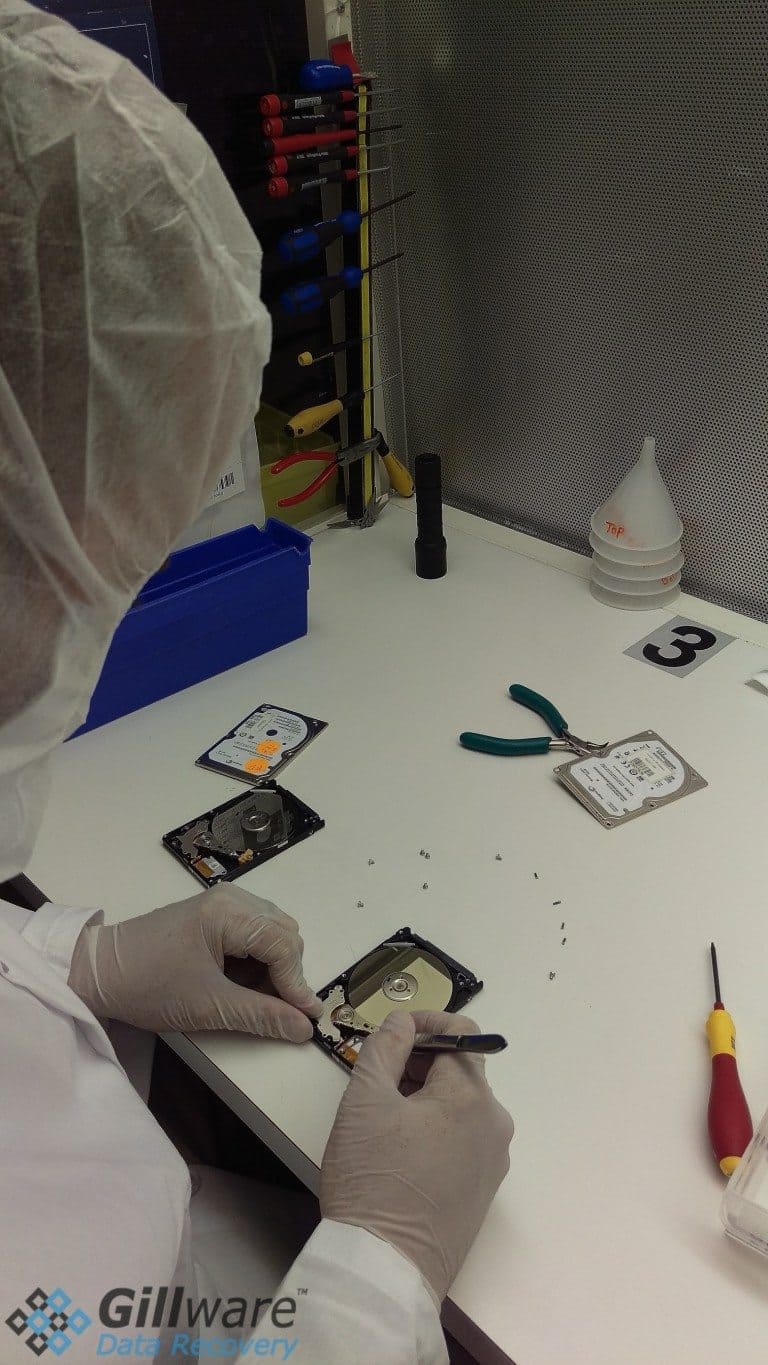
{"x": 679, "y": 646}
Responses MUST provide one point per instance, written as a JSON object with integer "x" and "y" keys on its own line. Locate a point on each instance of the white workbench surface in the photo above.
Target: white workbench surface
{"x": 604, "y": 1244}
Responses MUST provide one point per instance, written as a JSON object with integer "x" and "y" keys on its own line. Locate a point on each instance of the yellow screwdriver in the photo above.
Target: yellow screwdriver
{"x": 310, "y": 420}
{"x": 399, "y": 477}
{"x": 308, "y": 358}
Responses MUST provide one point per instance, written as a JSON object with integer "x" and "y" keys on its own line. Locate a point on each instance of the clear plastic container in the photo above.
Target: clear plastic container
{"x": 640, "y": 513}
{"x": 635, "y": 587}
{"x": 744, "y": 1209}
{"x": 612, "y": 550}
{"x": 637, "y": 572}
{"x": 627, "y": 602}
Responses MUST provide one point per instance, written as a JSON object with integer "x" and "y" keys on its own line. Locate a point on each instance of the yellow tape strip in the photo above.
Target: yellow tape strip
{"x": 366, "y": 310}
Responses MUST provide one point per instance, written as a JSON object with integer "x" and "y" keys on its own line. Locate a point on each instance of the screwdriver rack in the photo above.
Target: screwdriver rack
{"x": 361, "y": 477}
{"x": 353, "y": 315}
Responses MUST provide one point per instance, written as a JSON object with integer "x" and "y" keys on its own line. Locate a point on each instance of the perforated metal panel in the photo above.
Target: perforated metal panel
{"x": 586, "y": 261}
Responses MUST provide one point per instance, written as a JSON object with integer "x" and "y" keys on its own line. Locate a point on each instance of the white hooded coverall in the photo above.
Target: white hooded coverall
{"x": 132, "y": 343}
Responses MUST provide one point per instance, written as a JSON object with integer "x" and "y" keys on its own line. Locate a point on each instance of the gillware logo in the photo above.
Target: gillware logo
{"x": 46, "y": 1322}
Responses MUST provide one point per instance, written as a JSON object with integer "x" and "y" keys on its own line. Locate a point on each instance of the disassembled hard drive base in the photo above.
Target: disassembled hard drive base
{"x": 229, "y": 840}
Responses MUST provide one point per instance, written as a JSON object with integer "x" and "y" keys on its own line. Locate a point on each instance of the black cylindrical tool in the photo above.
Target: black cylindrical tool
{"x": 430, "y": 541}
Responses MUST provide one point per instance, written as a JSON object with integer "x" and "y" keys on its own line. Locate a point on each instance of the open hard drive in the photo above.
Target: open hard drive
{"x": 406, "y": 972}
{"x": 229, "y": 840}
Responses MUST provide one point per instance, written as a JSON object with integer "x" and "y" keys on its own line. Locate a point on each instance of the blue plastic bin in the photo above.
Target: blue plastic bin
{"x": 212, "y": 606}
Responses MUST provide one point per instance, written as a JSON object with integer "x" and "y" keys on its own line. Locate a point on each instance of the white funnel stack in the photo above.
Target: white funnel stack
{"x": 636, "y": 539}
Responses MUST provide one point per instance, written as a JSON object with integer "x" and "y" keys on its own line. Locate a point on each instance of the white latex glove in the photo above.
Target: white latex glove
{"x": 417, "y": 1169}
{"x": 166, "y": 970}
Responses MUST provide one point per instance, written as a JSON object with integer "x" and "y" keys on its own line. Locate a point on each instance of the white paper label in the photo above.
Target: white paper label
{"x": 679, "y": 646}
{"x": 231, "y": 482}
{"x": 631, "y": 774}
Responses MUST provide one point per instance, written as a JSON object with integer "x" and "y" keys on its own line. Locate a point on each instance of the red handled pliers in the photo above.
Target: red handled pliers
{"x": 333, "y": 460}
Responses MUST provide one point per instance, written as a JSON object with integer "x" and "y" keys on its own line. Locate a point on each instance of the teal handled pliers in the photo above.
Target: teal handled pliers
{"x": 538, "y": 744}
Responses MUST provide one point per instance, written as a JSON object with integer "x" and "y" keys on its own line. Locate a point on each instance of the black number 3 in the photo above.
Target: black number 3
{"x": 686, "y": 649}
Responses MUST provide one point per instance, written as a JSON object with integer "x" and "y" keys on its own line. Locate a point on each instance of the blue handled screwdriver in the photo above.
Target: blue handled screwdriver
{"x": 307, "y": 298}
{"x": 302, "y": 244}
{"x": 321, "y": 74}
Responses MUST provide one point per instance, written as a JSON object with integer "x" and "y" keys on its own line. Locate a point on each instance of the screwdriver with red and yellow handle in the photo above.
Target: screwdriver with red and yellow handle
{"x": 728, "y": 1118}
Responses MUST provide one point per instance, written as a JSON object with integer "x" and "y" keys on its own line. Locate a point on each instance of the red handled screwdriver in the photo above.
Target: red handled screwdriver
{"x": 279, "y": 187}
{"x": 271, "y": 106}
{"x": 303, "y": 161}
{"x": 300, "y": 161}
{"x": 304, "y": 142}
{"x": 304, "y": 123}
{"x": 728, "y": 1119}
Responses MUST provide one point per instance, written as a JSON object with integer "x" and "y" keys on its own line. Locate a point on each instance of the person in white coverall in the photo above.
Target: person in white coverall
{"x": 132, "y": 342}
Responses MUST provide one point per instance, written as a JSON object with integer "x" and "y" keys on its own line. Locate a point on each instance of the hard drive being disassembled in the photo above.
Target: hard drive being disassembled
{"x": 229, "y": 840}
{"x": 407, "y": 973}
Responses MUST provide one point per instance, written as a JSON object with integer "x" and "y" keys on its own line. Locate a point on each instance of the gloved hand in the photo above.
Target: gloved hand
{"x": 419, "y": 1170}
{"x": 166, "y": 970}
